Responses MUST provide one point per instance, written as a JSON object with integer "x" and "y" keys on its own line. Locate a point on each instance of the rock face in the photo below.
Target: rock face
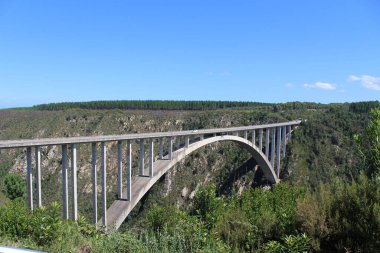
{"x": 192, "y": 195}
{"x": 184, "y": 192}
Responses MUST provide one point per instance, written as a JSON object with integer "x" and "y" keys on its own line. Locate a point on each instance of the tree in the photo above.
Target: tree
{"x": 369, "y": 144}
{"x": 14, "y": 186}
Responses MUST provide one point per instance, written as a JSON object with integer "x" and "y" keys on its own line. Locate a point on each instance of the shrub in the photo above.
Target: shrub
{"x": 289, "y": 244}
{"x": 207, "y": 205}
{"x": 14, "y": 186}
{"x": 343, "y": 216}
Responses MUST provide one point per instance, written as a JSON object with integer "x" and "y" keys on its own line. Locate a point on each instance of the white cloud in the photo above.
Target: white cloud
{"x": 320, "y": 85}
{"x": 369, "y": 82}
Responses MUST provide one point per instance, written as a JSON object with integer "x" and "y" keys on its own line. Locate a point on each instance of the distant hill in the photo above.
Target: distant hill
{"x": 198, "y": 105}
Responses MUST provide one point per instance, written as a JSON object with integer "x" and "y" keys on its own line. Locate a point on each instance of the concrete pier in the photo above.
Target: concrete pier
{"x": 142, "y": 157}
{"x": 38, "y": 175}
{"x": 267, "y": 142}
{"x": 151, "y": 157}
{"x": 283, "y": 135}
{"x": 273, "y": 144}
{"x": 29, "y": 177}
{"x": 119, "y": 170}
{"x": 104, "y": 183}
{"x": 278, "y": 153}
{"x": 65, "y": 191}
{"x": 161, "y": 148}
{"x": 94, "y": 184}
{"x": 129, "y": 170}
{"x": 74, "y": 185}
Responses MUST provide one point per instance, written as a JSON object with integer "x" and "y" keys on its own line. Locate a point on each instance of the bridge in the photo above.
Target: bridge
{"x": 266, "y": 143}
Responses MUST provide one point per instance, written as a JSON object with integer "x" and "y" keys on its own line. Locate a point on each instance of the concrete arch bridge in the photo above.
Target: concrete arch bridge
{"x": 266, "y": 143}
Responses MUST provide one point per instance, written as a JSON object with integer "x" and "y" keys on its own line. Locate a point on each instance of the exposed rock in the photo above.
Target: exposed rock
{"x": 184, "y": 192}
{"x": 168, "y": 181}
{"x": 192, "y": 194}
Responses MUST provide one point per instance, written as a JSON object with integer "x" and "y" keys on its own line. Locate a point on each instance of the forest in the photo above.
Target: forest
{"x": 195, "y": 105}
{"x": 328, "y": 200}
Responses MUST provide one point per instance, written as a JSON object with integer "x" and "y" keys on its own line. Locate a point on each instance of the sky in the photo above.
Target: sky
{"x": 323, "y": 51}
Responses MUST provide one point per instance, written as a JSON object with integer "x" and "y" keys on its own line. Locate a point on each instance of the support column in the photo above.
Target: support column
{"x": 119, "y": 170}
{"x": 142, "y": 158}
{"x": 94, "y": 185}
{"x": 161, "y": 148}
{"x": 261, "y": 140}
{"x": 177, "y": 142}
{"x": 29, "y": 177}
{"x": 289, "y": 133}
{"x": 151, "y": 157}
{"x": 187, "y": 141}
{"x": 170, "y": 148}
{"x": 104, "y": 183}
{"x": 65, "y": 191}
{"x": 129, "y": 170}
{"x": 38, "y": 175}
{"x": 278, "y": 155}
{"x": 74, "y": 192}
{"x": 273, "y": 144}
{"x": 201, "y": 137}
{"x": 246, "y": 135}
{"x": 283, "y": 135}
{"x": 214, "y": 135}
{"x": 254, "y": 137}
{"x": 267, "y": 142}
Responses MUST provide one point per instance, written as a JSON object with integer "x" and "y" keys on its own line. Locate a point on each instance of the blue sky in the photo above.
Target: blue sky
{"x": 245, "y": 50}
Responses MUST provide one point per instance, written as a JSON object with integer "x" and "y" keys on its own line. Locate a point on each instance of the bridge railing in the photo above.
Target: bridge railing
{"x": 269, "y": 138}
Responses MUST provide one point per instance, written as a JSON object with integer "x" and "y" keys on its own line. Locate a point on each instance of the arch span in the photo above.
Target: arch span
{"x": 120, "y": 209}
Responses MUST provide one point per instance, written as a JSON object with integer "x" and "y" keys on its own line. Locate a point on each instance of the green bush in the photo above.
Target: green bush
{"x": 234, "y": 228}
{"x": 343, "y": 216}
{"x": 14, "y": 186}
{"x": 41, "y": 226}
{"x": 369, "y": 144}
{"x": 289, "y": 244}
{"x": 272, "y": 212}
{"x": 207, "y": 205}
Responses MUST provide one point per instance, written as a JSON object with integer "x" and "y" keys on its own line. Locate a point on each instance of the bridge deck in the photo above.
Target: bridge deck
{"x": 89, "y": 139}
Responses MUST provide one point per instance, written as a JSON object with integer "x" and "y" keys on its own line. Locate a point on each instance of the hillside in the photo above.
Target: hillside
{"x": 323, "y": 145}
{"x": 322, "y": 149}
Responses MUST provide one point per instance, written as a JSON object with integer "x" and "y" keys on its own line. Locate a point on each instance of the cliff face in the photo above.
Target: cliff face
{"x": 224, "y": 164}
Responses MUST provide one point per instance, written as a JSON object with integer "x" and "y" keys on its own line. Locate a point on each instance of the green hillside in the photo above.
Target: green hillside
{"x": 325, "y": 180}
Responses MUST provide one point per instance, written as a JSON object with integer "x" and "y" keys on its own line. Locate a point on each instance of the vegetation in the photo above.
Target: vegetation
{"x": 197, "y": 105}
{"x": 150, "y": 105}
{"x": 329, "y": 200}
{"x": 14, "y": 186}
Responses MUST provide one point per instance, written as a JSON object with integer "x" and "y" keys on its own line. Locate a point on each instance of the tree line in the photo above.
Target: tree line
{"x": 201, "y": 105}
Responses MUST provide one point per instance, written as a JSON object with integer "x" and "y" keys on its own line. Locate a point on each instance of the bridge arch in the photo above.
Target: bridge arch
{"x": 273, "y": 142}
{"x": 120, "y": 209}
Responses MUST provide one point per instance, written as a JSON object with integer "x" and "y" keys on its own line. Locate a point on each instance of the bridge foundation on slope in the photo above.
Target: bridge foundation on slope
{"x": 266, "y": 143}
